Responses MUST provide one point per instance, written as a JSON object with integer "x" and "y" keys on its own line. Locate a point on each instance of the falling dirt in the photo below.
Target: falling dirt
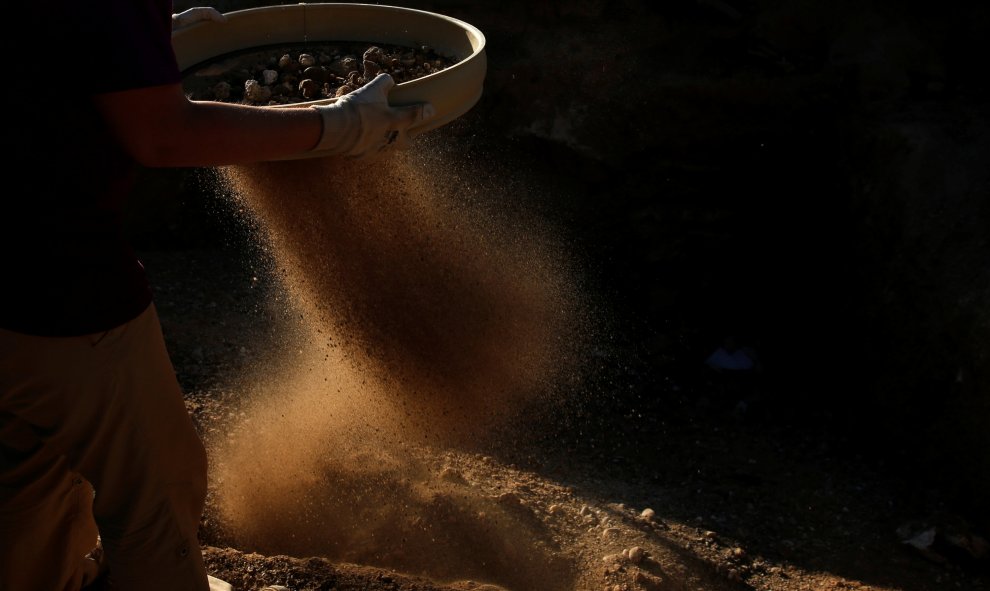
{"x": 320, "y": 480}
{"x": 456, "y": 319}
{"x": 425, "y": 325}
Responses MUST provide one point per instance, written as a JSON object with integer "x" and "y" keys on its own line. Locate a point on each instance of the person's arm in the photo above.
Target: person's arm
{"x": 160, "y": 127}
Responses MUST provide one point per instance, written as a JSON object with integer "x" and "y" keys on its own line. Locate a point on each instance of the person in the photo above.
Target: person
{"x": 95, "y": 440}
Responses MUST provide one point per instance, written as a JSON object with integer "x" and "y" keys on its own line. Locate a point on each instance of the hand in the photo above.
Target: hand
{"x": 195, "y": 15}
{"x": 361, "y": 123}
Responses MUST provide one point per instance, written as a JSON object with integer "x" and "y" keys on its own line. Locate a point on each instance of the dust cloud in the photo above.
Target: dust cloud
{"x": 428, "y": 319}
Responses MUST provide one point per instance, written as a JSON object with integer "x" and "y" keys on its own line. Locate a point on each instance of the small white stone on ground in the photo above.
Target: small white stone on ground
{"x": 636, "y": 554}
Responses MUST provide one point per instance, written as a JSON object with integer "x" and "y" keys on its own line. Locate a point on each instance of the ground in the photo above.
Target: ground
{"x": 713, "y": 499}
{"x": 655, "y": 478}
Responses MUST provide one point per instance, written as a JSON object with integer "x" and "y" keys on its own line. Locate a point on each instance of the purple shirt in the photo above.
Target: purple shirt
{"x": 67, "y": 268}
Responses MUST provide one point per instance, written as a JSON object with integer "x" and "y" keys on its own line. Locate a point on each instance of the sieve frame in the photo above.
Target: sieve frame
{"x": 452, "y": 91}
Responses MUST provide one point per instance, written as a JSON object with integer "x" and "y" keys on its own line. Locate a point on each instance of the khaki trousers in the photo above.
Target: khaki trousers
{"x": 104, "y": 409}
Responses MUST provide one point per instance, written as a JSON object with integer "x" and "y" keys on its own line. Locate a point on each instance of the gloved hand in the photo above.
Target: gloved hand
{"x": 195, "y": 15}
{"x": 361, "y": 123}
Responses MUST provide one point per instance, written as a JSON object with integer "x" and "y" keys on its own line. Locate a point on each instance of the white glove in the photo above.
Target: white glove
{"x": 361, "y": 123}
{"x": 195, "y": 15}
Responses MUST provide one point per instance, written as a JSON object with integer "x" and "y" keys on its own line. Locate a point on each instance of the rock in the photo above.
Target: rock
{"x": 636, "y": 554}
{"x": 610, "y": 532}
{"x": 738, "y": 552}
{"x": 306, "y": 60}
{"x": 309, "y": 89}
{"x": 555, "y": 509}
{"x": 268, "y": 77}
{"x": 286, "y": 62}
{"x": 648, "y": 581}
{"x": 221, "y": 91}
{"x": 374, "y": 54}
{"x": 349, "y": 65}
{"x": 255, "y": 92}
{"x": 371, "y": 69}
{"x": 317, "y": 73}
{"x": 648, "y": 515}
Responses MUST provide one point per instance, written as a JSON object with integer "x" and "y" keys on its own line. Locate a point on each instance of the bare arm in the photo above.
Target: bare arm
{"x": 160, "y": 127}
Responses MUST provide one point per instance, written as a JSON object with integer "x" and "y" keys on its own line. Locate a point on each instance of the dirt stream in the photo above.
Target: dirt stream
{"x": 353, "y": 448}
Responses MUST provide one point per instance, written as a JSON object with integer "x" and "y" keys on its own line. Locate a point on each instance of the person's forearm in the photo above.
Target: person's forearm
{"x": 159, "y": 127}
{"x": 213, "y": 134}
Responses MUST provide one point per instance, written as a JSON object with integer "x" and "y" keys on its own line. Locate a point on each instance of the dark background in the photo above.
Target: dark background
{"x": 810, "y": 176}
